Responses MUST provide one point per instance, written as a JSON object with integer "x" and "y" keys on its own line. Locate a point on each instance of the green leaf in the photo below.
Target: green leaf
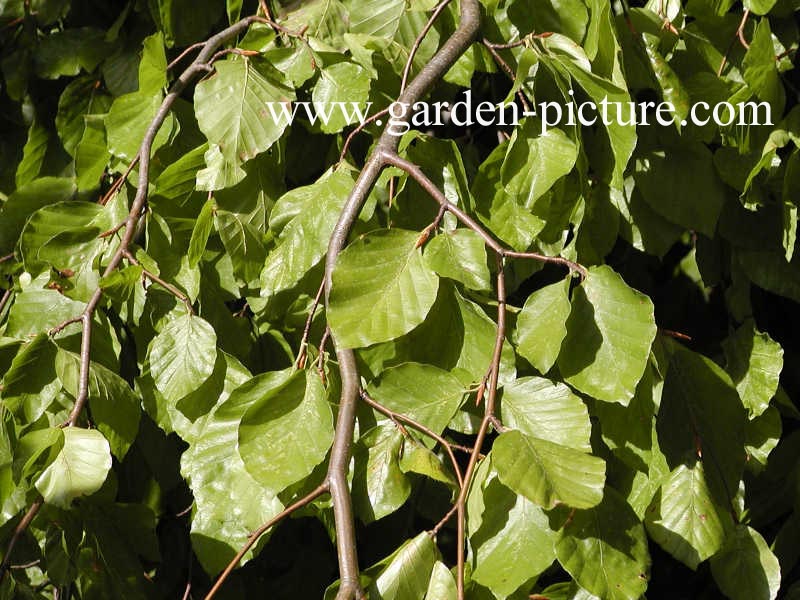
{"x": 33, "y": 154}
{"x": 177, "y": 181}
{"x": 672, "y": 89}
{"x": 64, "y": 235}
{"x": 15, "y": 211}
{"x": 381, "y": 289}
{"x": 201, "y": 232}
{"x": 535, "y": 160}
{"x": 760, "y": 69}
{"x": 232, "y": 109}
{"x": 609, "y": 333}
{"x": 548, "y": 473}
{"x": 182, "y": 356}
{"x": 407, "y": 574}
{"x": 459, "y": 254}
{"x": 754, "y": 362}
{"x": 221, "y": 485}
{"x": 128, "y": 119}
{"x": 31, "y": 385}
{"x": 379, "y": 18}
{"x": 759, "y": 7}
{"x": 80, "y": 99}
{"x": 745, "y": 568}
{"x": 340, "y": 87}
{"x": 685, "y": 519}
{"x": 286, "y": 432}
{"x": 79, "y": 469}
{"x": 442, "y": 585}
{"x": 305, "y": 217}
{"x": 243, "y": 244}
{"x": 380, "y": 487}
{"x": 695, "y": 198}
{"x": 115, "y": 409}
{"x": 541, "y": 325}
{"x": 418, "y": 459}
{"x": 91, "y": 156}
{"x": 605, "y": 549}
{"x": 513, "y": 544}
{"x": 701, "y": 417}
{"x": 427, "y": 394}
{"x": 35, "y": 311}
{"x": 762, "y": 434}
{"x": 546, "y": 410}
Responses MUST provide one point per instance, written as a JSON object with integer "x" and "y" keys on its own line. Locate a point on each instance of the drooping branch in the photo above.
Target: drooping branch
{"x": 387, "y": 144}
{"x": 198, "y": 66}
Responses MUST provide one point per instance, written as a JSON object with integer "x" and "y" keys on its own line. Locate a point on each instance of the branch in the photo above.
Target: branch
{"x": 253, "y": 538}
{"x": 739, "y": 34}
{"x": 18, "y": 531}
{"x": 199, "y": 65}
{"x": 418, "y": 42}
{"x": 488, "y": 418}
{"x": 387, "y": 144}
{"x": 5, "y": 299}
{"x": 167, "y": 286}
{"x": 395, "y": 416}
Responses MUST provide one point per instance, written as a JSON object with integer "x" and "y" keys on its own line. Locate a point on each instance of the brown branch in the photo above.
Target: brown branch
{"x": 358, "y": 129}
{"x": 5, "y": 299}
{"x": 395, "y": 416}
{"x": 303, "y": 353}
{"x": 418, "y": 42}
{"x": 432, "y": 72}
{"x": 509, "y": 71}
{"x": 739, "y": 35}
{"x": 117, "y": 185}
{"x": 6, "y": 258}
{"x": 254, "y": 537}
{"x": 488, "y": 418}
{"x": 199, "y": 65}
{"x": 156, "y": 279}
{"x": 21, "y": 527}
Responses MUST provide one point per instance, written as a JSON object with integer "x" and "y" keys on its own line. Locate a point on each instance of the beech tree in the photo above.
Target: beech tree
{"x": 249, "y": 356}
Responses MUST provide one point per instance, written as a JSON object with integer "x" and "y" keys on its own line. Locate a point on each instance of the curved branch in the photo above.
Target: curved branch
{"x": 199, "y": 65}
{"x": 387, "y": 144}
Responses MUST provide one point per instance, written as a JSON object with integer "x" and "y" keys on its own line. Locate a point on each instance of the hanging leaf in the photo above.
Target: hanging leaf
{"x": 79, "y": 469}
{"x": 547, "y": 473}
{"x": 609, "y": 332}
{"x": 381, "y": 289}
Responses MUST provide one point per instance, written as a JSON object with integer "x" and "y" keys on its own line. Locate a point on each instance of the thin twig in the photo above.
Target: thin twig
{"x": 166, "y": 285}
{"x": 303, "y": 352}
{"x": 254, "y": 537}
{"x": 117, "y": 185}
{"x": 488, "y": 418}
{"x": 183, "y": 54}
{"x": 738, "y": 35}
{"x": 395, "y": 416}
{"x": 321, "y": 357}
{"x": 509, "y": 71}
{"x": 21, "y": 527}
{"x": 6, "y": 258}
{"x": 418, "y": 42}
{"x": 360, "y": 127}
{"x": 431, "y": 229}
{"x": 5, "y": 299}
{"x": 425, "y": 183}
